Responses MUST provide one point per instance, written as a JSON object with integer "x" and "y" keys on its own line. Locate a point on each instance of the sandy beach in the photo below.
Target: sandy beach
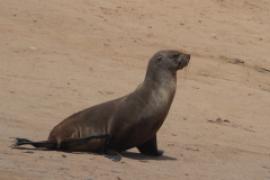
{"x": 58, "y": 57}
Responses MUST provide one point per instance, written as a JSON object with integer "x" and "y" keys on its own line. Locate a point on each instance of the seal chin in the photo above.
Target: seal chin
{"x": 184, "y": 60}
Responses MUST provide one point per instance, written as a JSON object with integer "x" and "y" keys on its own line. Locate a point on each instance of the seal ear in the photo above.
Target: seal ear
{"x": 159, "y": 58}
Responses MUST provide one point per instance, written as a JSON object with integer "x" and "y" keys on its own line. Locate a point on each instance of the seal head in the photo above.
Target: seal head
{"x": 172, "y": 60}
{"x": 166, "y": 62}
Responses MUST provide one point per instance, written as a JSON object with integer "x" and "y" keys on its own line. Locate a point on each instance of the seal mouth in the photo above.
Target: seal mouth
{"x": 184, "y": 60}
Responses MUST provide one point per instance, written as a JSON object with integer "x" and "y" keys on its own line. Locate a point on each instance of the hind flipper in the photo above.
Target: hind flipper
{"x": 67, "y": 145}
{"x": 21, "y": 141}
{"x": 37, "y": 144}
{"x": 18, "y": 142}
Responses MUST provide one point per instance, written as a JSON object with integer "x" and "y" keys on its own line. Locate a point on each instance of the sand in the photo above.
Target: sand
{"x": 58, "y": 57}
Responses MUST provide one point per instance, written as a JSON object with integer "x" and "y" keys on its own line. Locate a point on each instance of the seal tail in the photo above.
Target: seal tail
{"x": 37, "y": 144}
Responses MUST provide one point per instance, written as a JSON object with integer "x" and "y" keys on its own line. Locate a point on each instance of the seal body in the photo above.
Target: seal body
{"x": 129, "y": 121}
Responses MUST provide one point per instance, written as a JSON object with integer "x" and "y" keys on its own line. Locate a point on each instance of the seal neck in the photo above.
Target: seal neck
{"x": 158, "y": 90}
{"x": 159, "y": 77}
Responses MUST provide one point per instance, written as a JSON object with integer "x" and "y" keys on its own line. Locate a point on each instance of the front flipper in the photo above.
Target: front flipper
{"x": 150, "y": 148}
{"x": 110, "y": 153}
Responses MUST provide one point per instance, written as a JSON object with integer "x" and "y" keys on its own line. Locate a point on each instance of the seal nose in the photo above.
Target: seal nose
{"x": 188, "y": 57}
{"x": 184, "y": 61}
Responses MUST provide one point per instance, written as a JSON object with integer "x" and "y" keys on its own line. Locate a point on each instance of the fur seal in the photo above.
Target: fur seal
{"x": 130, "y": 121}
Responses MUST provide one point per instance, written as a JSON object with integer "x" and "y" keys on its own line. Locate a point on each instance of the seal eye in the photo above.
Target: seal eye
{"x": 175, "y": 56}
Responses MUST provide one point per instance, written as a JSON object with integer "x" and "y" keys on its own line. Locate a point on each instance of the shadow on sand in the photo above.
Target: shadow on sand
{"x": 141, "y": 157}
{"x": 126, "y": 154}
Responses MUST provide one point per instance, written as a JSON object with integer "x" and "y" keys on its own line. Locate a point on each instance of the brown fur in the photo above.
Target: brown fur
{"x": 129, "y": 121}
